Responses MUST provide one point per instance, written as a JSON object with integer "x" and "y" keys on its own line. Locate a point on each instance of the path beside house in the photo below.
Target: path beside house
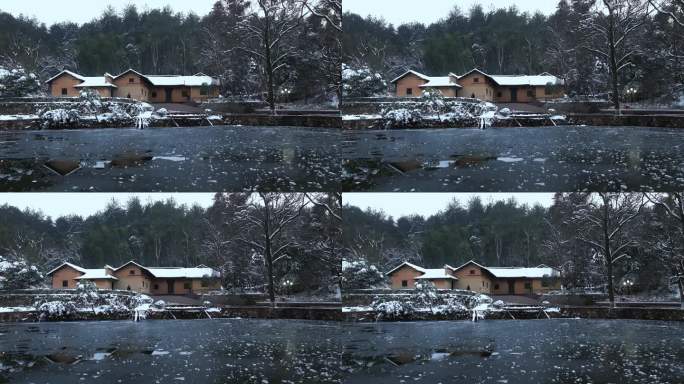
{"x": 178, "y": 108}
{"x": 177, "y": 300}
{"x": 516, "y": 299}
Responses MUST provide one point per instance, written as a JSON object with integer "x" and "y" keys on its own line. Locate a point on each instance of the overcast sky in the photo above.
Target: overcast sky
{"x": 81, "y": 11}
{"x": 428, "y": 11}
{"x": 84, "y": 204}
{"x": 426, "y": 204}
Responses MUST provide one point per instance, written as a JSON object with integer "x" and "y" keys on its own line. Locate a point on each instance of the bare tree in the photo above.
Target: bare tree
{"x": 668, "y": 7}
{"x": 602, "y": 222}
{"x": 268, "y": 37}
{"x": 609, "y": 26}
{"x": 669, "y": 245}
{"x": 266, "y": 219}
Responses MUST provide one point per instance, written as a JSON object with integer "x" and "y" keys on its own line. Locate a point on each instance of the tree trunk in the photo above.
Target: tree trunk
{"x": 613, "y": 61}
{"x": 268, "y": 62}
{"x": 608, "y": 255}
{"x": 267, "y": 252}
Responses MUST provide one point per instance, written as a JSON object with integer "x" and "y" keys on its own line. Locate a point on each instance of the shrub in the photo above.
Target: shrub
{"x": 360, "y": 275}
{"x": 16, "y": 82}
{"x": 362, "y": 82}
{"x": 18, "y": 275}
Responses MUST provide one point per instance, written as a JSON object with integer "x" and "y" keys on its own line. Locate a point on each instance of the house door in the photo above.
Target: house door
{"x": 169, "y": 93}
{"x": 514, "y": 95}
{"x": 511, "y": 287}
{"x": 171, "y": 284}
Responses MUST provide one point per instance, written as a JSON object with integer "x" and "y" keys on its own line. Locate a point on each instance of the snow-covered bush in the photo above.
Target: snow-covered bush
{"x": 425, "y": 300}
{"x": 393, "y": 309}
{"x": 16, "y": 82}
{"x": 360, "y": 275}
{"x": 433, "y": 106}
{"x": 60, "y": 118}
{"x": 362, "y": 82}
{"x": 162, "y": 112}
{"x": 88, "y": 300}
{"x": 402, "y": 117}
{"x": 18, "y": 275}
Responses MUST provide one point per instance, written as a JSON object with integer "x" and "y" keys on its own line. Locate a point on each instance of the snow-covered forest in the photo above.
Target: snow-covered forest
{"x": 299, "y": 60}
{"x": 598, "y": 47}
{"x": 638, "y": 239}
{"x": 302, "y": 245}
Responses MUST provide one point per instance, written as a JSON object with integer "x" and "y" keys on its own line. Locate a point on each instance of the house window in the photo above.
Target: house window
{"x": 131, "y": 80}
{"x": 498, "y": 94}
{"x": 409, "y": 91}
{"x": 64, "y": 92}
{"x": 530, "y": 93}
{"x": 187, "y": 285}
{"x": 545, "y": 283}
{"x": 404, "y": 283}
{"x": 483, "y": 284}
{"x": 528, "y": 285}
{"x": 476, "y": 80}
{"x": 472, "y": 271}
{"x": 496, "y": 286}
{"x": 154, "y": 94}
{"x": 156, "y": 286}
{"x": 204, "y": 90}
{"x": 131, "y": 272}
{"x": 205, "y": 283}
{"x": 65, "y": 283}
{"x": 185, "y": 93}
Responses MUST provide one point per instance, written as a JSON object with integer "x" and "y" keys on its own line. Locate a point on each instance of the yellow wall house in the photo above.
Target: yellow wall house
{"x": 134, "y": 277}
{"x": 479, "y": 85}
{"x": 134, "y": 85}
{"x": 475, "y": 277}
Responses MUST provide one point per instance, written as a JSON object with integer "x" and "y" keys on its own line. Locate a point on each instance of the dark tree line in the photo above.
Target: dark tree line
{"x": 226, "y": 236}
{"x": 224, "y": 43}
{"x": 597, "y": 46}
{"x": 611, "y": 242}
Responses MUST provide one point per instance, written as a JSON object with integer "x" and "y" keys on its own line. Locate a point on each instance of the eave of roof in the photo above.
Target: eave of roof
{"x": 406, "y": 263}
{"x": 72, "y": 74}
{"x": 67, "y": 264}
{"x": 410, "y": 71}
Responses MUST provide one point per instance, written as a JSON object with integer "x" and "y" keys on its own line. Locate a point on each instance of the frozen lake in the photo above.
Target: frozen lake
{"x": 197, "y": 159}
{"x": 516, "y": 352}
{"x": 192, "y": 351}
{"x": 542, "y": 159}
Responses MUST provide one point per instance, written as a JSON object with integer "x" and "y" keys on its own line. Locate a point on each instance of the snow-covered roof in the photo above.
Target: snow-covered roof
{"x": 95, "y": 82}
{"x": 188, "y": 81}
{"x": 410, "y": 71}
{"x": 509, "y": 272}
{"x": 406, "y": 263}
{"x": 538, "y": 81}
{"x": 76, "y": 75}
{"x": 67, "y": 264}
{"x": 438, "y": 273}
{"x": 470, "y": 262}
{"x": 129, "y": 70}
{"x": 444, "y": 81}
{"x": 197, "y": 80}
{"x": 188, "y": 273}
{"x": 96, "y": 274}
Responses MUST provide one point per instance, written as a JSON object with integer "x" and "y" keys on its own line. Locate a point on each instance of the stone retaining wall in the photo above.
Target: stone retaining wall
{"x": 309, "y": 121}
{"x": 662, "y": 121}
{"x": 465, "y": 123}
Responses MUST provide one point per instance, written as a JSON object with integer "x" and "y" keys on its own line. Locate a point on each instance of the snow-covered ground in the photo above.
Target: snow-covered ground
{"x": 18, "y": 117}
{"x": 16, "y": 309}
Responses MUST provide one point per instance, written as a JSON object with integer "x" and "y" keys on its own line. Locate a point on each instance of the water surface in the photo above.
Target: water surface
{"x": 516, "y": 352}
{"x": 187, "y": 351}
